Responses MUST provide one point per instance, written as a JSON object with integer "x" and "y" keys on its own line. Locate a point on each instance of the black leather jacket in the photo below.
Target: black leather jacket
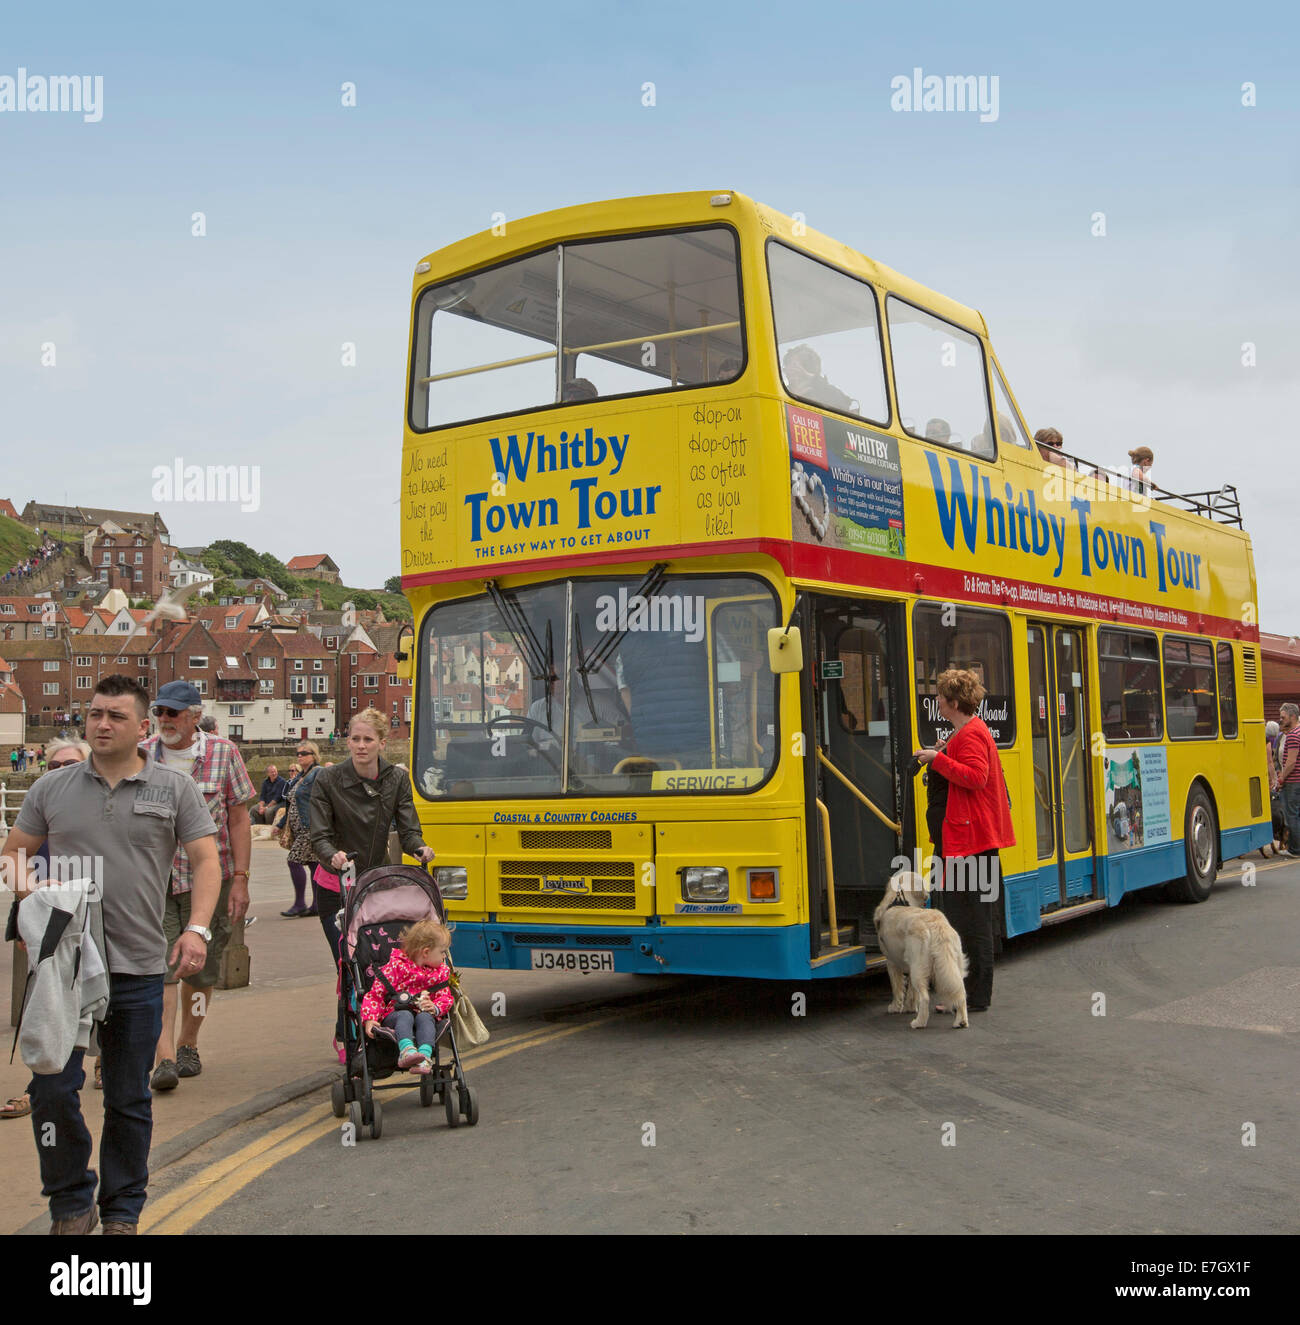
{"x": 352, "y": 813}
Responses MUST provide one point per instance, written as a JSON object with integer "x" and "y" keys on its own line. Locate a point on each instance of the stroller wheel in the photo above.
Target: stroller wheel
{"x": 451, "y": 1102}
{"x": 427, "y": 1094}
{"x": 338, "y": 1105}
{"x": 354, "y": 1116}
{"x": 376, "y": 1120}
{"x": 469, "y": 1105}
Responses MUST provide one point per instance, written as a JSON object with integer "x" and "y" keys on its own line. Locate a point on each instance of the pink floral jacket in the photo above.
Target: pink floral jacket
{"x": 404, "y": 974}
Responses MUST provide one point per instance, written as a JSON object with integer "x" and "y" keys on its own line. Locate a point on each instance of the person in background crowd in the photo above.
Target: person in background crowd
{"x": 1289, "y": 774}
{"x": 209, "y": 725}
{"x": 352, "y": 806}
{"x": 1272, "y": 743}
{"x": 977, "y": 822}
{"x": 217, "y": 769}
{"x": 90, "y": 811}
{"x": 301, "y": 856}
{"x": 271, "y": 798}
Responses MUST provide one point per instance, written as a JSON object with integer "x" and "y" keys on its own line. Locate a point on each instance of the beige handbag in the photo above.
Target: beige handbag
{"x": 469, "y": 1025}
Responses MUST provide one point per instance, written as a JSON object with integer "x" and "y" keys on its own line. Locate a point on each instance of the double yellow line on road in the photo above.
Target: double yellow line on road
{"x": 197, "y": 1197}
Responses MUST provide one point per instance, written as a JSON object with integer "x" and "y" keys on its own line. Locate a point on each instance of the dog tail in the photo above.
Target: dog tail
{"x": 951, "y": 965}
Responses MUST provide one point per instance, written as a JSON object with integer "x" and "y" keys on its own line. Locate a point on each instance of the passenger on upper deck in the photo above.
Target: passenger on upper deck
{"x": 1049, "y": 447}
{"x": 937, "y": 430}
{"x": 1140, "y": 475}
{"x": 802, "y": 368}
{"x": 580, "y": 388}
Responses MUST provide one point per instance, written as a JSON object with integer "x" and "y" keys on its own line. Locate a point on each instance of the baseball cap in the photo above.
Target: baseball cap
{"x": 178, "y": 695}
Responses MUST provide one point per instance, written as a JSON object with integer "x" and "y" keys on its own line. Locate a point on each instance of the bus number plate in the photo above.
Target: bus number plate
{"x": 566, "y": 959}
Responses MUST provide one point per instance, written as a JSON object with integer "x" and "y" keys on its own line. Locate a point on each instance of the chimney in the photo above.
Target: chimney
{"x": 319, "y": 604}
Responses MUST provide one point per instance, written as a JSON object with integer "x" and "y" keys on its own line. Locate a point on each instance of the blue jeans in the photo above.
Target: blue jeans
{"x": 418, "y": 1027}
{"x": 1291, "y": 808}
{"x": 128, "y": 1038}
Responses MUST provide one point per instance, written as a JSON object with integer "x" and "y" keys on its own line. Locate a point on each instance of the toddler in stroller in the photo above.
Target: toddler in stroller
{"x": 394, "y": 950}
{"x": 411, "y": 995}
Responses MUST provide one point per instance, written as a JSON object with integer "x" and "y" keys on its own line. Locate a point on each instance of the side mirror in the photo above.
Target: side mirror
{"x": 404, "y": 659}
{"x": 784, "y": 649}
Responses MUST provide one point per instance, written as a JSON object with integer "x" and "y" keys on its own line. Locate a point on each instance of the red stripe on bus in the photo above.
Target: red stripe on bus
{"x": 839, "y": 566}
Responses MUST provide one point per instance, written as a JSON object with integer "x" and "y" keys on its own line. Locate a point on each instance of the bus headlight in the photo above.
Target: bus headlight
{"x": 704, "y": 883}
{"x": 764, "y": 885}
{"x": 452, "y": 881}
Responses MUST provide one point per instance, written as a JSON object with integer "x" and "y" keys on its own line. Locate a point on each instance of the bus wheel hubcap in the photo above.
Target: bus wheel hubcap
{"x": 1202, "y": 845}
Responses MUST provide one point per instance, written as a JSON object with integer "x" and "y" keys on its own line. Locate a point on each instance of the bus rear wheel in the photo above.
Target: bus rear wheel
{"x": 1201, "y": 849}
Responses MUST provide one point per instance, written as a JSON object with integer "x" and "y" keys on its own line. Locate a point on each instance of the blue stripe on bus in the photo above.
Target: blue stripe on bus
{"x": 768, "y": 953}
{"x": 1123, "y": 872}
{"x": 782, "y": 953}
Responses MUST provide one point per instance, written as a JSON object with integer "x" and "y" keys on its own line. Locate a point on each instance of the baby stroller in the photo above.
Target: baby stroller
{"x": 376, "y": 909}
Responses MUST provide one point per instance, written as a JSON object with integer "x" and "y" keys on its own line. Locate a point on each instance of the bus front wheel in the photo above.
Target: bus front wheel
{"x": 1201, "y": 849}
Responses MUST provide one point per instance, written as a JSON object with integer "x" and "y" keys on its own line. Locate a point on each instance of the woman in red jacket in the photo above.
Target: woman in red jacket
{"x": 976, "y": 824}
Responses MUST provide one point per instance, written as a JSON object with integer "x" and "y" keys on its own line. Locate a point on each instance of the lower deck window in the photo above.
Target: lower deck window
{"x": 973, "y": 640}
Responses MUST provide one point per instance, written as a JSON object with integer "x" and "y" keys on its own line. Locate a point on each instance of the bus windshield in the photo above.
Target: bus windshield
{"x": 645, "y": 313}
{"x": 599, "y": 686}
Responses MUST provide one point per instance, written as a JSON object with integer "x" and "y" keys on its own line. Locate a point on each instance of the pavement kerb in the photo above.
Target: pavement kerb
{"x": 170, "y": 1152}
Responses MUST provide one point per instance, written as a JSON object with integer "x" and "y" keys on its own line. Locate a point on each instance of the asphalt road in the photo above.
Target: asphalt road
{"x": 1043, "y": 1117}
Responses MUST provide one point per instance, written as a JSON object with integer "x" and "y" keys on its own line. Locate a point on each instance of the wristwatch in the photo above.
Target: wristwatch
{"x": 201, "y": 930}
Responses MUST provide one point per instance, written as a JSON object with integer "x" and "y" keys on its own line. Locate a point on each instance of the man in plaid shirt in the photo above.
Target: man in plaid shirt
{"x": 217, "y": 768}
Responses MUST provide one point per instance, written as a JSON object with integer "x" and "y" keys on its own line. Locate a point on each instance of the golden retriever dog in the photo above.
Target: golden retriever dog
{"x": 922, "y": 951}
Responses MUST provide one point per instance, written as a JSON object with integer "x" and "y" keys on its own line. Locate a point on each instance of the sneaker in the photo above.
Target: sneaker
{"x": 118, "y": 1228}
{"x": 408, "y": 1058}
{"x": 187, "y": 1061}
{"x": 423, "y": 1067}
{"x": 165, "y": 1076}
{"x": 76, "y": 1225}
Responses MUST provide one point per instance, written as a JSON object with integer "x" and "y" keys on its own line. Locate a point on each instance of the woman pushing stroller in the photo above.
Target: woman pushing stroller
{"x": 352, "y": 806}
{"x": 412, "y": 995}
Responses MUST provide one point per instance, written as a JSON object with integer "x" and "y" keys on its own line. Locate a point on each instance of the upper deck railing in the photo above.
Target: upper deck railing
{"x": 1222, "y": 505}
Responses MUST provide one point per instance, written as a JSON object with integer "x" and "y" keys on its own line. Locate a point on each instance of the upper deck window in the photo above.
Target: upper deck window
{"x": 827, "y": 335}
{"x": 1009, "y": 428}
{"x": 647, "y": 313}
{"x": 939, "y": 378}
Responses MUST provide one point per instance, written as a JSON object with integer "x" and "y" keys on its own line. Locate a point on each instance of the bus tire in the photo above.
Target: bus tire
{"x": 1200, "y": 848}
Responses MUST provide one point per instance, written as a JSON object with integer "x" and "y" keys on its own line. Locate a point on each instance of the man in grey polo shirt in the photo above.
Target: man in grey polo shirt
{"x": 129, "y": 814}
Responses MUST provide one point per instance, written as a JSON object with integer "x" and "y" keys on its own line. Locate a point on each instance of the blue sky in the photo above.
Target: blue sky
{"x": 227, "y": 348}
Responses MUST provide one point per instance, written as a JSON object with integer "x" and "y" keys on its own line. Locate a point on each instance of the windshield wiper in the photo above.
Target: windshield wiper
{"x": 648, "y": 587}
{"x": 582, "y": 670}
{"x": 507, "y": 605}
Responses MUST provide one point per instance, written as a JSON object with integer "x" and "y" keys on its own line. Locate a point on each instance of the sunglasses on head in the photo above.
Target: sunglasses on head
{"x": 62, "y": 763}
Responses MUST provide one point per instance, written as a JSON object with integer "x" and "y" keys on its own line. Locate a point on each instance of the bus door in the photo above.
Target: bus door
{"x": 1060, "y": 740}
{"x": 859, "y": 684}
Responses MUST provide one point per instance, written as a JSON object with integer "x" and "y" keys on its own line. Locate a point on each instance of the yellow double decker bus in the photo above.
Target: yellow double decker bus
{"x": 697, "y": 505}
